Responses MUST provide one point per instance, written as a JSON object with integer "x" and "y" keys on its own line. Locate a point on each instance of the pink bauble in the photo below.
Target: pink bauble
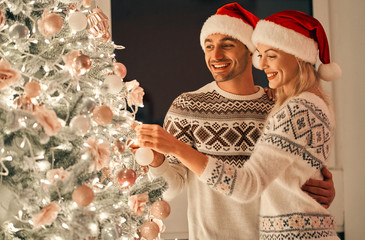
{"x": 86, "y": 3}
{"x": 80, "y": 125}
{"x": 126, "y": 177}
{"x": 102, "y": 115}
{"x": 32, "y": 89}
{"x": 119, "y": 146}
{"x": 160, "y": 209}
{"x": 52, "y": 24}
{"x": 81, "y": 64}
{"x": 83, "y": 195}
{"x": 120, "y": 69}
{"x": 150, "y": 230}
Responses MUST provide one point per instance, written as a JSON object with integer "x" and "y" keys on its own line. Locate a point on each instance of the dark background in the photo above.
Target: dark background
{"x": 163, "y": 49}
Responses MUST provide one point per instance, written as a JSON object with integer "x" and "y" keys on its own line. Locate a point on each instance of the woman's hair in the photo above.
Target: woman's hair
{"x": 306, "y": 77}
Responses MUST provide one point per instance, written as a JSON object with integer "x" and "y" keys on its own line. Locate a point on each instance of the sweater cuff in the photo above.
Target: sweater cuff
{"x": 207, "y": 173}
{"x": 160, "y": 170}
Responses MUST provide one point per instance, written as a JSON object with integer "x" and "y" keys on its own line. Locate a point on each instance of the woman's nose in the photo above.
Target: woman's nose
{"x": 263, "y": 63}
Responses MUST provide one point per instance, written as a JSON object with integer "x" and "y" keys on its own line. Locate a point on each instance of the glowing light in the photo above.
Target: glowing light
{"x": 104, "y": 216}
{"x": 20, "y": 213}
{"x": 43, "y": 165}
{"x": 64, "y": 225}
{"x": 22, "y": 145}
{"x": 47, "y": 41}
{"x": 45, "y": 181}
{"x": 93, "y": 208}
{"x": 62, "y": 40}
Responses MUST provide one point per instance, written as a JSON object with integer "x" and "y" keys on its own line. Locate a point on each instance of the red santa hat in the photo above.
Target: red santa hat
{"x": 299, "y": 34}
{"x": 231, "y": 20}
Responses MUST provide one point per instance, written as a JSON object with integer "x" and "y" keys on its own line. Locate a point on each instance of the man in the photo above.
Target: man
{"x": 222, "y": 119}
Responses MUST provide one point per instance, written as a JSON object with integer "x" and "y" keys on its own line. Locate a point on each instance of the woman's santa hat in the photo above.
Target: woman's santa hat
{"x": 231, "y": 20}
{"x": 298, "y": 34}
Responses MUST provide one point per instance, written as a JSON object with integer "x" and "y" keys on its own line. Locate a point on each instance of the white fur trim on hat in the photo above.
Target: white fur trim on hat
{"x": 288, "y": 40}
{"x": 230, "y": 26}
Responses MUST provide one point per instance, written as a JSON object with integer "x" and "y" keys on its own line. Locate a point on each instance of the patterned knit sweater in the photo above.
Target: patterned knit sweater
{"x": 224, "y": 126}
{"x": 294, "y": 147}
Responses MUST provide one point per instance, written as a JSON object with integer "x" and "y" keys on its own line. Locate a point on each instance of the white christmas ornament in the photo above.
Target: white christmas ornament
{"x": 144, "y": 156}
{"x": 80, "y": 124}
{"x": 77, "y": 21}
{"x": 113, "y": 83}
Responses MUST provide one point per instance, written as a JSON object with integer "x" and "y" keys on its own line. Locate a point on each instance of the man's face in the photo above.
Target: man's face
{"x": 226, "y": 57}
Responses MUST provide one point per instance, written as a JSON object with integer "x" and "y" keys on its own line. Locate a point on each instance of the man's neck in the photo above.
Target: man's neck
{"x": 242, "y": 85}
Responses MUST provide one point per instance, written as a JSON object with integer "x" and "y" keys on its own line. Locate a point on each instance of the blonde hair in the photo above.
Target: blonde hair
{"x": 306, "y": 78}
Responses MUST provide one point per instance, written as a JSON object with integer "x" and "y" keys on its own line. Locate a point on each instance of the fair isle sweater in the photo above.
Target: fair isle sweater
{"x": 224, "y": 126}
{"x": 294, "y": 146}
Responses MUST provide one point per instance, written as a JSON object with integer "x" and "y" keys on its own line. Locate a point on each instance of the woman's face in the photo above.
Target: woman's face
{"x": 281, "y": 68}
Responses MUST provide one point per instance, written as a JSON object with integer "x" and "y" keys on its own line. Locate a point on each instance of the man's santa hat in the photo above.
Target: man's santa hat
{"x": 298, "y": 34}
{"x": 231, "y": 20}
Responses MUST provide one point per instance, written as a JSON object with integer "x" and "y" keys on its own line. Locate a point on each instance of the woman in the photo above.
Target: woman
{"x": 296, "y": 140}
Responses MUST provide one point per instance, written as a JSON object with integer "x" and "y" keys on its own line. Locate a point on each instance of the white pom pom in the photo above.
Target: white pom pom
{"x": 329, "y": 72}
{"x": 256, "y": 60}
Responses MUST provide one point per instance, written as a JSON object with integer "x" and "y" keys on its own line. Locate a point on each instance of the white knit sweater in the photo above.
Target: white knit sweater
{"x": 294, "y": 146}
{"x": 224, "y": 126}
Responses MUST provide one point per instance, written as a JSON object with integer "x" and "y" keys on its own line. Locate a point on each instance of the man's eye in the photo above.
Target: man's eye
{"x": 208, "y": 47}
{"x": 272, "y": 56}
{"x": 228, "y": 45}
{"x": 259, "y": 55}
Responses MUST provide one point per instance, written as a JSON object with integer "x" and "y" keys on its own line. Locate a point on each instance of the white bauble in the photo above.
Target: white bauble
{"x": 113, "y": 83}
{"x": 80, "y": 125}
{"x": 144, "y": 156}
{"x": 77, "y": 21}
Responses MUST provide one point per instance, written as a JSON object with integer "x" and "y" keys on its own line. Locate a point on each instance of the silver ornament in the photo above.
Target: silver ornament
{"x": 109, "y": 232}
{"x": 18, "y": 31}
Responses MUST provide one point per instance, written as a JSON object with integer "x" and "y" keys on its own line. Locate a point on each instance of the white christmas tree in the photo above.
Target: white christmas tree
{"x": 67, "y": 119}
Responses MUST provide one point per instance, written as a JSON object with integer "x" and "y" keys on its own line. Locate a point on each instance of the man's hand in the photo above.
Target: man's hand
{"x": 323, "y": 191}
{"x": 271, "y": 93}
{"x": 158, "y": 158}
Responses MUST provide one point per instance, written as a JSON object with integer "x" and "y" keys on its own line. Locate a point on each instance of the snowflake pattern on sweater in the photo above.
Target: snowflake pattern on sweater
{"x": 294, "y": 146}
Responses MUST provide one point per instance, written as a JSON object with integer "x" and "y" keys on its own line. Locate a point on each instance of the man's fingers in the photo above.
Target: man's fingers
{"x": 320, "y": 199}
{"x": 314, "y": 190}
{"x": 326, "y": 173}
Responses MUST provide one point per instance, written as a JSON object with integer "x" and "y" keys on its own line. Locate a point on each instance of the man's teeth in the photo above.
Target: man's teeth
{"x": 220, "y": 66}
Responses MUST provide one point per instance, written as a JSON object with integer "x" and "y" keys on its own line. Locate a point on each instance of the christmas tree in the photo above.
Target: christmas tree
{"x": 67, "y": 118}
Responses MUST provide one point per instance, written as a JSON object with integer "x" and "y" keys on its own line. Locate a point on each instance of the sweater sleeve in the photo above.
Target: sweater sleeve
{"x": 297, "y": 132}
{"x": 172, "y": 170}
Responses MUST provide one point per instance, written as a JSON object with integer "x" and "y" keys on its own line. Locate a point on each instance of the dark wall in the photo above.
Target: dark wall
{"x": 163, "y": 51}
